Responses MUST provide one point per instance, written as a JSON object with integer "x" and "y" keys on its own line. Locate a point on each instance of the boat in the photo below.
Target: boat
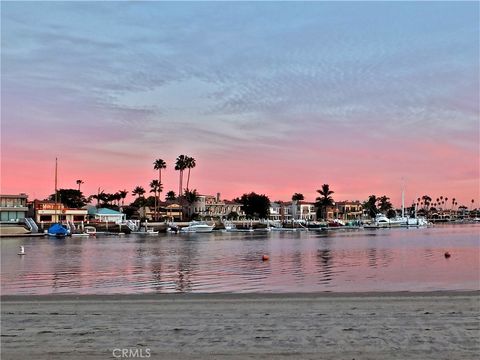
{"x": 58, "y": 230}
{"x": 146, "y": 231}
{"x": 87, "y": 231}
{"x": 90, "y": 230}
{"x": 198, "y": 227}
{"x": 229, "y": 226}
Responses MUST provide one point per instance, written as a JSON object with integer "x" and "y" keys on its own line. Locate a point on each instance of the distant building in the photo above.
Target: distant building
{"x": 348, "y": 210}
{"x": 13, "y": 207}
{"x": 167, "y": 211}
{"x": 212, "y": 206}
{"x": 105, "y": 214}
{"x": 47, "y": 211}
{"x": 296, "y": 210}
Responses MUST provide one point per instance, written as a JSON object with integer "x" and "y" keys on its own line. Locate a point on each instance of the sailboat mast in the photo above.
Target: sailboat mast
{"x": 403, "y": 198}
{"x": 56, "y": 192}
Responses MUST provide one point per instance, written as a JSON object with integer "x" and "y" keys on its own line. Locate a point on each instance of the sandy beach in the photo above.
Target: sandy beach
{"x": 437, "y": 325}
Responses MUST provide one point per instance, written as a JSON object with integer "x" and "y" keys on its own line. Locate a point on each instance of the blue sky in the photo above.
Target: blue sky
{"x": 349, "y": 86}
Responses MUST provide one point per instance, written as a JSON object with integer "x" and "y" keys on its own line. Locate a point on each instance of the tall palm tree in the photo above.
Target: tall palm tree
{"x": 155, "y": 187}
{"x": 180, "y": 165}
{"x": 453, "y": 202}
{"x": 189, "y": 164}
{"x": 79, "y": 182}
{"x": 159, "y": 164}
{"x": 473, "y": 200}
{"x": 325, "y": 200}
{"x": 138, "y": 191}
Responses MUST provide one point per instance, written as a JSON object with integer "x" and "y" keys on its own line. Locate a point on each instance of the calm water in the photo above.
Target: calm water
{"x": 359, "y": 260}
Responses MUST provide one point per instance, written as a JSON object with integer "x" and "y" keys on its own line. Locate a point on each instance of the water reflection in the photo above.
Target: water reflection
{"x": 396, "y": 259}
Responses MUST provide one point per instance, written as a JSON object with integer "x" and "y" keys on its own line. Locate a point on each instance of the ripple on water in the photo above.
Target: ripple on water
{"x": 392, "y": 259}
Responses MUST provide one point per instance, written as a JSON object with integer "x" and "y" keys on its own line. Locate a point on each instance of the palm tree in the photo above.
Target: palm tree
{"x": 79, "y": 182}
{"x": 123, "y": 195}
{"x": 189, "y": 164}
{"x": 180, "y": 165}
{"x": 371, "y": 206}
{"x": 170, "y": 196}
{"x": 191, "y": 197}
{"x": 297, "y": 197}
{"x": 453, "y": 202}
{"x": 155, "y": 187}
{"x": 138, "y": 191}
{"x": 473, "y": 200}
{"x": 426, "y": 200}
{"x": 384, "y": 204}
{"x": 159, "y": 164}
{"x": 324, "y": 200}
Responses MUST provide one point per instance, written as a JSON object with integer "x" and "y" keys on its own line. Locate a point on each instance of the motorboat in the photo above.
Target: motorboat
{"x": 198, "y": 227}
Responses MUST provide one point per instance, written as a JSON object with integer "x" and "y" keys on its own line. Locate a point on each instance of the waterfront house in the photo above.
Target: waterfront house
{"x": 49, "y": 212}
{"x": 167, "y": 210}
{"x": 292, "y": 210}
{"x": 213, "y": 207}
{"x": 13, "y": 207}
{"x": 105, "y": 214}
{"x": 348, "y": 210}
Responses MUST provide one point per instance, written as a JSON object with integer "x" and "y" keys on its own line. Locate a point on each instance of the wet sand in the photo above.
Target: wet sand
{"x": 436, "y": 325}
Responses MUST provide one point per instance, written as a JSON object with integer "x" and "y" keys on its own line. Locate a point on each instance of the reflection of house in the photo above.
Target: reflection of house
{"x": 105, "y": 214}
{"x": 47, "y": 211}
{"x": 13, "y": 207}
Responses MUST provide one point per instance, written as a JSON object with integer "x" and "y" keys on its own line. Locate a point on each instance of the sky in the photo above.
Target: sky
{"x": 271, "y": 97}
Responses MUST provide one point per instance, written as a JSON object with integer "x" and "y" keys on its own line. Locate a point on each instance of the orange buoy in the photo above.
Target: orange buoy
{"x": 265, "y": 257}
{"x": 447, "y": 255}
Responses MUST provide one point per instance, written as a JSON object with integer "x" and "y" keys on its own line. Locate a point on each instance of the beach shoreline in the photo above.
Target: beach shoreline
{"x": 396, "y": 325}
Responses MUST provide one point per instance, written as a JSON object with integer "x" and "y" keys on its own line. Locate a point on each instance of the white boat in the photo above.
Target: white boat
{"x": 198, "y": 227}
{"x": 229, "y": 226}
{"x": 151, "y": 232}
{"x": 90, "y": 230}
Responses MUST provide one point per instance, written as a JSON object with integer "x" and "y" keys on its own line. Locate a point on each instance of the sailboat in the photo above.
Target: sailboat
{"x": 57, "y": 229}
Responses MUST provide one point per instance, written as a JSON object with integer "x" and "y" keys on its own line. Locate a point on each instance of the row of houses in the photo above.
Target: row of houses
{"x": 17, "y": 207}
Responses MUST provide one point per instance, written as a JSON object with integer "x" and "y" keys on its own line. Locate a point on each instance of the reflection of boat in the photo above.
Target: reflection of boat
{"x": 198, "y": 226}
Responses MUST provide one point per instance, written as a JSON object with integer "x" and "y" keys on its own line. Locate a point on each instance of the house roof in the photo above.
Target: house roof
{"x": 105, "y": 211}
